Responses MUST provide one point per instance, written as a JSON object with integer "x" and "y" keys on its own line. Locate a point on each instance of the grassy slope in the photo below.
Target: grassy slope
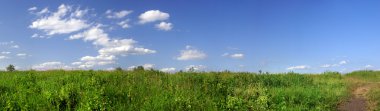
{"x": 372, "y": 78}
{"x": 152, "y": 90}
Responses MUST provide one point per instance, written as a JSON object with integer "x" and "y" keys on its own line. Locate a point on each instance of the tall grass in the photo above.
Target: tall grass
{"x": 154, "y": 90}
{"x": 366, "y": 75}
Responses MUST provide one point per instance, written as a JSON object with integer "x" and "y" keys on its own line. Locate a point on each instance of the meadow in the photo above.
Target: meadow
{"x": 155, "y": 90}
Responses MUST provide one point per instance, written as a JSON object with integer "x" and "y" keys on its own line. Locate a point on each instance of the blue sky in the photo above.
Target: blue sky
{"x": 212, "y": 35}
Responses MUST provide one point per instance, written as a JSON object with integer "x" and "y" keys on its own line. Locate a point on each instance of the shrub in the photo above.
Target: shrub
{"x": 11, "y": 68}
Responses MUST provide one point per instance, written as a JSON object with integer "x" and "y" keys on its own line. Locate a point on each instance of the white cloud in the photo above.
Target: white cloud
{"x": 225, "y": 54}
{"x": 7, "y": 43}
{"x": 51, "y": 66}
{"x": 298, "y": 67}
{"x": 68, "y": 20}
{"x": 124, "y": 24}
{"x": 234, "y": 56}
{"x": 131, "y": 67}
{"x": 368, "y": 66}
{"x": 43, "y": 11}
{"x": 152, "y": 16}
{"x": 164, "y": 26}
{"x": 38, "y": 36}
{"x": 58, "y": 22}
{"x": 237, "y": 56}
{"x": 145, "y": 66}
{"x": 191, "y": 54}
{"x": 10, "y": 44}
{"x": 76, "y": 63}
{"x": 79, "y": 13}
{"x": 21, "y": 54}
{"x": 5, "y": 52}
{"x": 326, "y": 66}
{"x": 95, "y": 34}
{"x": 3, "y": 57}
{"x": 195, "y": 68}
{"x": 110, "y": 48}
{"x": 168, "y": 70}
{"x": 148, "y": 66}
{"x": 118, "y": 15}
{"x": 343, "y": 62}
{"x": 91, "y": 61}
{"x": 32, "y": 9}
{"x": 110, "y": 69}
{"x": 15, "y": 46}
{"x": 34, "y": 35}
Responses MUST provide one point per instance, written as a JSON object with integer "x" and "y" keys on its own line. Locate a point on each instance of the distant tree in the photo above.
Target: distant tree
{"x": 118, "y": 69}
{"x": 11, "y": 68}
{"x": 139, "y": 68}
{"x": 260, "y": 71}
{"x": 192, "y": 69}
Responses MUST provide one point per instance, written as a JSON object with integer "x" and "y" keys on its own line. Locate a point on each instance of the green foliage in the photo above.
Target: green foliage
{"x": 139, "y": 68}
{"x": 118, "y": 69}
{"x": 374, "y": 96}
{"x": 10, "y": 68}
{"x": 367, "y": 75}
{"x": 155, "y": 90}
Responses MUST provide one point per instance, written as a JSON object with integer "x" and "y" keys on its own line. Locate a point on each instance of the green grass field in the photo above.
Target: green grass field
{"x": 154, "y": 90}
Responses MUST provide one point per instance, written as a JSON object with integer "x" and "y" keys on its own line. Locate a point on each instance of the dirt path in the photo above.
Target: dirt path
{"x": 358, "y": 101}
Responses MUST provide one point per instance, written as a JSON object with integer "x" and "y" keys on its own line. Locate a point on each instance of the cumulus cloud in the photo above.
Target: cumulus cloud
{"x": 234, "y": 56}
{"x": 145, "y": 66}
{"x": 76, "y": 63}
{"x": 5, "y": 52}
{"x": 368, "y": 66}
{"x": 195, "y": 68}
{"x": 15, "y": 46}
{"x": 68, "y": 20}
{"x": 59, "y": 22}
{"x": 298, "y": 67}
{"x": 39, "y": 36}
{"x": 124, "y": 24}
{"x": 118, "y": 15}
{"x": 191, "y": 53}
{"x": 51, "y": 66}
{"x": 237, "y": 56}
{"x": 343, "y": 62}
{"x": 168, "y": 70}
{"x": 4, "y": 57}
{"x": 164, "y": 26}
{"x": 225, "y": 54}
{"x": 110, "y": 48}
{"x": 32, "y": 9}
{"x": 43, "y": 11}
{"x": 7, "y": 43}
{"x": 10, "y": 44}
{"x": 91, "y": 61}
{"x": 21, "y": 54}
{"x": 326, "y": 65}
{"x": 152, "y": 16}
